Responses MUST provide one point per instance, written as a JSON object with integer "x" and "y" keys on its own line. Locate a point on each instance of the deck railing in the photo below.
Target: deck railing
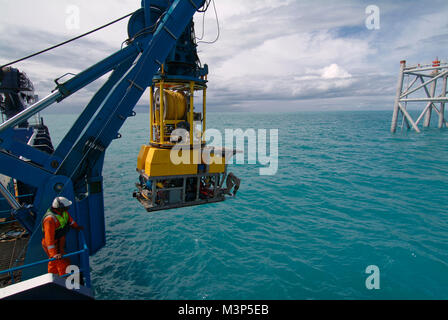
{"x": 84, "y": 262}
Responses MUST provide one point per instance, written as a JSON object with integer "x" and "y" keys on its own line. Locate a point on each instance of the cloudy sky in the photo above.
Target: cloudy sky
{"x": 283, "y": 54}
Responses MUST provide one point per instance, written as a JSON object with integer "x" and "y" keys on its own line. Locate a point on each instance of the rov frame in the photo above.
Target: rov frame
{"x": 157, "y": 119}
{"x": 175, "y": 196}
{"x": 163, "y": 184}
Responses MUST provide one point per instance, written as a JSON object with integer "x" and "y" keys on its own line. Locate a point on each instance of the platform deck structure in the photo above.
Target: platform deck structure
{"x": 426, "y": 85}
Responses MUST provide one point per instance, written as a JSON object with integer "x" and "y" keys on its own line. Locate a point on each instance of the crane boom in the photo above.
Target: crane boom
{"x": 74, "y": 170}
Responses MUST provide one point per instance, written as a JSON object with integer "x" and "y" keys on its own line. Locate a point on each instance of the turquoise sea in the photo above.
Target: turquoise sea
{"x": 347, "y": 195}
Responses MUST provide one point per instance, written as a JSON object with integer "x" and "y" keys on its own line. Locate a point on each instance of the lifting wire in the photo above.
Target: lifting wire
{"x": 61, "y": 44}
{"x": 140, "y": 33}
{"x": 91, "y": 145}
{"x": 203, "y": 18}
{"x": 153, "y": 28}
{"x": 205, "y": 6}
{"x": 67, "y": 41}
{"x": 145, "y": 31}
{"x": 203, "y": 24}
{"x": 111, "y": 115}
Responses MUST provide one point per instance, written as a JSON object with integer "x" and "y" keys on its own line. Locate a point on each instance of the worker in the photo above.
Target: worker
{"x": 56, "y": 224}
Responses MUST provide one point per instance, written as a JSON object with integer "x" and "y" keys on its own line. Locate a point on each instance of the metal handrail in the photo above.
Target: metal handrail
{"x": 7, "y": 222}
{"x": 84, "y": 250}
{"x": 20, "y": 196}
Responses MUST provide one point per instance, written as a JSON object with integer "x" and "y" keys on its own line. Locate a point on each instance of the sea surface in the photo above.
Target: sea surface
{"x": 347, "y": 195}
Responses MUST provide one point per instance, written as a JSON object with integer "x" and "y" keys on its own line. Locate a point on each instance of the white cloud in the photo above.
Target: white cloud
{"x": 268, "y": 49}
{"x": 334, "y": 71}
{"x": 231, "y": 8}
{"x": 289, "y": 67}
{"x": 293, "y": 54}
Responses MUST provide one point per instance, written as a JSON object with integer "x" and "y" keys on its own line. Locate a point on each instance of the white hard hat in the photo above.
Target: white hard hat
{"x": 61, "y": 202}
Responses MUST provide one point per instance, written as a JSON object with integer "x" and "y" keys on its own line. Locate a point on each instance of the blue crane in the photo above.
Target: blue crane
{"x": 74, "y": 169}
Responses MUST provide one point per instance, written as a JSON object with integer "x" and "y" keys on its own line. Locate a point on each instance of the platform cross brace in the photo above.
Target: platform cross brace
{"x": 402, "y": 96}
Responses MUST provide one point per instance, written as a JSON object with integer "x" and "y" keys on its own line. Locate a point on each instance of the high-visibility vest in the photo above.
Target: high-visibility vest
{"x": 63, "y": 220}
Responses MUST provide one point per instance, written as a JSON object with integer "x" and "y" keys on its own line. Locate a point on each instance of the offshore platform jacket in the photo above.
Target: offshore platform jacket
{"x": 55, "y": 226}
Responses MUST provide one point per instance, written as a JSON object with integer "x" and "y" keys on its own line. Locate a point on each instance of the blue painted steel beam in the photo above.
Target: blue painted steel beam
{"x": 129, "y": 90}
{"x": 98, "y": 70}
{"x": 82, "y": 254}
{"x": 74, "y": 84}
{"x": 22, "y": 170}
{"x": 15, "y": 142}
{"x": 31, "y": 110}
{"x": 46, "y": 192}
{"x": 146, "y": 5}
{"x": 97, "y": 126}
{"x": 86, "y": 116}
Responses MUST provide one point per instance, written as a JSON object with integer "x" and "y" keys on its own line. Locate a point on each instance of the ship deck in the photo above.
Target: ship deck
{"x": 13, "y": 244}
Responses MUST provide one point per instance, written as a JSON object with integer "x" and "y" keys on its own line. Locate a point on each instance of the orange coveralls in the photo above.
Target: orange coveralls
{"x": 53, "y": 246}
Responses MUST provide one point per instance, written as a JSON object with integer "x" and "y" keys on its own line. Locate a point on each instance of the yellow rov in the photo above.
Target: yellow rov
{"x": 176, "y": 130}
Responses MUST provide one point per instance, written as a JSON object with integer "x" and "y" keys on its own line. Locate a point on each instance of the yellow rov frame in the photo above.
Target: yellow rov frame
{"x": 164, "y": 184}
